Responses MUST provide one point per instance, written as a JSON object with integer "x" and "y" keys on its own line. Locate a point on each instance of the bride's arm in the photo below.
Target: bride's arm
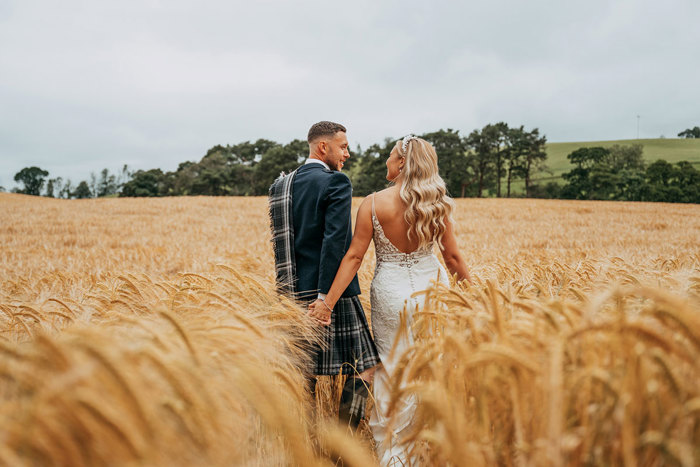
{"x": 453, "y": 257}
{"x": 353, "y": 258}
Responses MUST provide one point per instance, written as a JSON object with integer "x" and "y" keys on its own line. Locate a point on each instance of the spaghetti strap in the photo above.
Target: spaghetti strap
{"x": 374, "y": 213}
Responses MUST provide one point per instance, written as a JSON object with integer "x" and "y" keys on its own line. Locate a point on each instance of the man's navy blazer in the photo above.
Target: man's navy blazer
{"x": 321, "y": 212}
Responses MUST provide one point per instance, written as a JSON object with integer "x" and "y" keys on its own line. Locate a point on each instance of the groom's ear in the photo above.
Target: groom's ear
{"x": 322, "y": 147}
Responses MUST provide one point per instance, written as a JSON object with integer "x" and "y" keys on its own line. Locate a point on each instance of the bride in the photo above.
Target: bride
{"x": 405, "y": 221}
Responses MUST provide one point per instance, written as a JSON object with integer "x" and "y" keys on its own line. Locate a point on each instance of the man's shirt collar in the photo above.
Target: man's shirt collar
{"x": 317, "y": 161}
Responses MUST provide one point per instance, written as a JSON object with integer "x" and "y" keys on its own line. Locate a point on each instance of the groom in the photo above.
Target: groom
{"x": 311, "y": 232}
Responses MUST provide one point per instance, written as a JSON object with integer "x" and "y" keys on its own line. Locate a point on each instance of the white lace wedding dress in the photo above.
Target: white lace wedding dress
{"x": 396, "y": 277}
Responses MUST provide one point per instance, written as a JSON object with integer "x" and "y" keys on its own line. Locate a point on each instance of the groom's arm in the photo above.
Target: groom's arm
{"x": 338, "y": 197}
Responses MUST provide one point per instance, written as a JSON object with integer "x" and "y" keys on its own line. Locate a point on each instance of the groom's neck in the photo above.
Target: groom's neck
{"x": 318, "y": 157}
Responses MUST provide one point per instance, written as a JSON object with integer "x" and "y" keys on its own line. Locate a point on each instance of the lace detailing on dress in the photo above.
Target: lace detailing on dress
{"x": 387, "y": 251}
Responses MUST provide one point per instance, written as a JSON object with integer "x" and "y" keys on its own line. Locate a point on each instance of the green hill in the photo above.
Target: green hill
{"x": 671, "y": 150}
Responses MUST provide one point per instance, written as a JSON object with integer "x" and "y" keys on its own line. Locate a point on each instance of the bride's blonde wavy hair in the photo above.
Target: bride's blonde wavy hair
{"x": 424, "y": 192}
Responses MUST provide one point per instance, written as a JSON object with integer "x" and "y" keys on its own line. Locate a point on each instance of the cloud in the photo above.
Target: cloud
{"x": 88, "y": 85}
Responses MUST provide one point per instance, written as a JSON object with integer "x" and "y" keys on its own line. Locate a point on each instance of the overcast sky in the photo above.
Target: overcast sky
{"x": 86, "y": 85}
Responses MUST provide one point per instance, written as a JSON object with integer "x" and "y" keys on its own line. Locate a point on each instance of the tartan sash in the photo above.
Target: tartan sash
{"x": 280, "y": 204}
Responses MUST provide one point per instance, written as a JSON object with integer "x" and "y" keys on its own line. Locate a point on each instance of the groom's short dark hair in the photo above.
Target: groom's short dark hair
{"x": 324, "y": 129}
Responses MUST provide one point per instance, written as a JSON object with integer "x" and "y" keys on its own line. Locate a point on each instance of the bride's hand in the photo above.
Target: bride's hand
{"x": 320, "y": 312}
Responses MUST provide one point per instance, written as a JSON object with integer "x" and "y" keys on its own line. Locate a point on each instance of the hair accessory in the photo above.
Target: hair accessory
{"x": 404, "y": 143}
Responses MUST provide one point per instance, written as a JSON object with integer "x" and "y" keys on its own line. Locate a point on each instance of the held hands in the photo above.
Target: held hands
{"x": 321, "y": 312}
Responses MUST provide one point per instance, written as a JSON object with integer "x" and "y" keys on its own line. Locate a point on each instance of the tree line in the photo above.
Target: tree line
{"x": 690, "y": 133}
{"x": 486, "y": 162}
{"x": 471, "y": 165}
{"x": 35, "y": 182}
{"x": 620, "y": 173}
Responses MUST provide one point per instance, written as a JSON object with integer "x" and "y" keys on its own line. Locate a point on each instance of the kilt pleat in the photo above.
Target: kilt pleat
{"x": 348, "y": 345}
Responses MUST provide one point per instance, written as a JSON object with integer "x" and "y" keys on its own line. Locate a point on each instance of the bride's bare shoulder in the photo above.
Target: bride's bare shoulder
{"x": 388, "y": 203}
{"x": 386, "y": 192}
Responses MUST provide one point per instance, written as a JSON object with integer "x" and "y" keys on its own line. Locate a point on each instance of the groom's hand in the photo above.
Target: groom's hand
{"x": 320, "y": 312}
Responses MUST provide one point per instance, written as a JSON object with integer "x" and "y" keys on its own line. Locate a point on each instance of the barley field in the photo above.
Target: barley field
{"x": 147, "y": 332}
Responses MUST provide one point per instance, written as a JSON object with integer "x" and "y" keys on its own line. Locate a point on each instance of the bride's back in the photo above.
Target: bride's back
{"x": 390, "y": 211}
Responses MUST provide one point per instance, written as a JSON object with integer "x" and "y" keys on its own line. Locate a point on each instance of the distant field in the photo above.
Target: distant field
{"x": 671, "y": 150}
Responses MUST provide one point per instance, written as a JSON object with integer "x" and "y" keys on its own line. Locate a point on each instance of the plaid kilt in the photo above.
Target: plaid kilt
{"x": 346, "y": 344}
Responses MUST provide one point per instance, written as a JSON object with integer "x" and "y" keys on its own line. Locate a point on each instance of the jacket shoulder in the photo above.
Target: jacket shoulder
{"x": 338, "y": 182}
{"x": 339, "y": 178}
